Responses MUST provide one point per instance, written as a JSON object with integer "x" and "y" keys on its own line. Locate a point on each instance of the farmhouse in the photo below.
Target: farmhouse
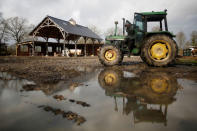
{"x": 65, "y": 35}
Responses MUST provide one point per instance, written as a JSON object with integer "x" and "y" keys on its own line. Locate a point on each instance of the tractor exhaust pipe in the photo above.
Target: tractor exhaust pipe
{"x": 116, "y": 28}
{"x": 123, "y": 29}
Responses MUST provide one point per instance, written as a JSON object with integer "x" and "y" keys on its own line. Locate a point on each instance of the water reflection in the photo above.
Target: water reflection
{"x": 10, "y": 82}
{"x": 147, "y": 96}
{"x": 69, "y": 115}
{"x": 52, "y": 88}
{"x": 124, "y": 99}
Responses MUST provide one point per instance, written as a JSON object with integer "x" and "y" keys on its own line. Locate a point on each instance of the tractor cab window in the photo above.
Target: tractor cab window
{"x": 139, "y": 22}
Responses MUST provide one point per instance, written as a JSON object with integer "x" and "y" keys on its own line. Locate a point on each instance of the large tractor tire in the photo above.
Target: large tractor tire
{"x": 159, "y": 87}
{"x": 159, "y": 50}
{"x": 110, "y": 55}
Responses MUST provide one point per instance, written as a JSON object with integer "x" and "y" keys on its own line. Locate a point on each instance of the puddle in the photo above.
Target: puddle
{"x": 102, "y": 99}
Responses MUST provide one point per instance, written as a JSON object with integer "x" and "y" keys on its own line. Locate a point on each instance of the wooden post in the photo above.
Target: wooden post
{"x": 59, "y": 49}
{"x": 43, "y": 50}
{"x": 85, "y": 51}
{"x": 47, "y": 47}
{"x": 75, "y": 48}
{"x": 76, "y": 45}
{"x": 28, "y": 50}
{"x": 53, "y": 49}
{"x": 93, "y": 47}
{"x": 63, "y": 50}
{"x": 64, "y": 43}
{"x": 33, "y": 46}
{"x": 58, "y": 41}
{"x": 18, "y": 47}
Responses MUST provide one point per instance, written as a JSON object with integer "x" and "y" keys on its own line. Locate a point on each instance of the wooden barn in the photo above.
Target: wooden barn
{"x": 65, "y": 35}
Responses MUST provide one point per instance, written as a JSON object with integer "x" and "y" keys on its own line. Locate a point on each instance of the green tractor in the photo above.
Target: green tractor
{"x": 156, "y": 48}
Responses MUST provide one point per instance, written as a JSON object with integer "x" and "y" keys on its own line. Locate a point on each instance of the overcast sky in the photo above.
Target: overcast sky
{"x": 182, "y": 15}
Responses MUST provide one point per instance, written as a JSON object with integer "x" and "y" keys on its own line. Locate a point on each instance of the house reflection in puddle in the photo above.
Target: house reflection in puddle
{"x": 146, "y": 96}
{"x": 53, "y": 88}
{"x": 11, "y": 82}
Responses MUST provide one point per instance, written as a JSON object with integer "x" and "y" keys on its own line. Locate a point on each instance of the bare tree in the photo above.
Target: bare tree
{"x": 95, "y": 29}
{"x": 187, "y": 44}
{"x": 3, "y": 29}
{"x": 194, "y": 38}
{"x": 1, "y": 17}
{"x": 28, "y": 29}
{"x": 17, "y": 29}
{"x": 180, "y": 37}
{"x": 110, "y": 31}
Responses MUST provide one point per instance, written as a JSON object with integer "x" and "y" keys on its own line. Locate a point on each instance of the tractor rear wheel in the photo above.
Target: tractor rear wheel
{"x": 110, "y": 55}
{"x": 159, "y": 50}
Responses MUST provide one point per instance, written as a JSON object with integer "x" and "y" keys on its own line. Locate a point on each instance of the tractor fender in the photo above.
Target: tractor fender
{"x": 148, "y": 34}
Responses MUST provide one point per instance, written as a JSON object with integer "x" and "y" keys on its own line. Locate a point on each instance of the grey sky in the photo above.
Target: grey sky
{"x": 182, "y": 15}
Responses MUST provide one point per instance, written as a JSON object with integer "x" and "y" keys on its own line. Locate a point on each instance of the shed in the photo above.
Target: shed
{"x": 69, "y": 32}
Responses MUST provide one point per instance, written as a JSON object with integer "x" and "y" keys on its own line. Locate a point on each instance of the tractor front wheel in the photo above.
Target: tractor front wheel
{"x": 110, "y": 55}
{"x": 110, "y": 79}
{"x": 159, "y": 50}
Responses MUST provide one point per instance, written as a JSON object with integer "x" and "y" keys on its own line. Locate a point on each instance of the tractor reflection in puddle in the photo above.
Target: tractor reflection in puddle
{"x": 146, "y": 96}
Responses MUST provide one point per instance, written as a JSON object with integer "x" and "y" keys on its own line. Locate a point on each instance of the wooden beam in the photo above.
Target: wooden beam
{"x": 46, "y": 24}
{"x": 28, "y": 50}
{"x": 75, "y": 49}
{"x": 77, "y": 38}
{"x": 17, "y": 49}
{"x": 85, "y": 50}
{"x": 47, "y": 46}
{"x": 63, "y": 50}
{"x": 33, "y": 46}
{"x": 93, "y": 47}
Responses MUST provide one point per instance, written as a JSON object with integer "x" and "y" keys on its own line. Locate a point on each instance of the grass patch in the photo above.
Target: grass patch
{"x": 187, "y": 60}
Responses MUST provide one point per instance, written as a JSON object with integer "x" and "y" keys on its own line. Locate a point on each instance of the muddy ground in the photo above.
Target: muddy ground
{"x": 49, "y": 69}
{"x": 57, "y": 93}
{"x": 55, "y": 69}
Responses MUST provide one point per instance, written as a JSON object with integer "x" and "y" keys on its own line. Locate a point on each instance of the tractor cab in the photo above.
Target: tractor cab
{"x": 139, "y": 29}
{"x": 141, "y": 20}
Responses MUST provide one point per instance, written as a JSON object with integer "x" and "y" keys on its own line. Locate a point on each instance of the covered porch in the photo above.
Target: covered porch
{"x": 56, "y": 49}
